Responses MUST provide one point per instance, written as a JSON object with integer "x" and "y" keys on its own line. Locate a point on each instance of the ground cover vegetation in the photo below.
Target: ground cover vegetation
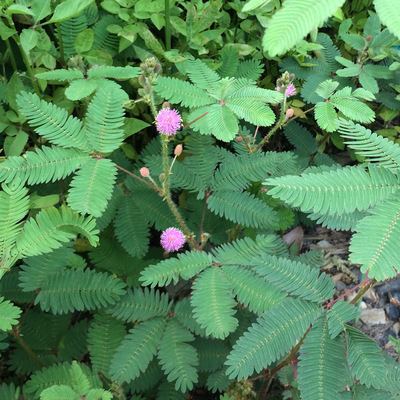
{"x": 153, "y": 155}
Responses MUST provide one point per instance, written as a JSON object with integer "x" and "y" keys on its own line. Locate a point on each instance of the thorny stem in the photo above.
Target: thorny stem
{"x": 363, "y": 290}
{"x": 275, "y": 128}
{"x": 196, "y": 119}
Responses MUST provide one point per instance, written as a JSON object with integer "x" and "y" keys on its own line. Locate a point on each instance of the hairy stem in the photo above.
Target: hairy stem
{"x": 10, "y": 53}
{"x": 22, "y": 343}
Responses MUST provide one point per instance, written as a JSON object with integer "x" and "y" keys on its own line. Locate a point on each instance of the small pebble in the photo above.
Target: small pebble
{"x": 373, "y": 316}
{"x": 340, "y": 286}
{"x": 392, "y": 312}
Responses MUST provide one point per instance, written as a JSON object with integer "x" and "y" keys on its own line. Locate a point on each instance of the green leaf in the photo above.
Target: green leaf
{"x": 366, "y": 359}
{"x": 376, "y": 242}
{"x": 84, "y": 41}
{"x": 389, "y": 13}
{"x": 78, "y": 289}
{"x": 294, "y": 277}
{"x": 339, "y": 314}
{"x": 9, "y": 314}
{"x": 275, "y": 333}
{"x": 81, "y": 88}
{"x": 326, "y": 116}
{"x": 185, "y": 266}
{"x": 177, "y": 91}
{"x": 178, "y": 359}
{"x": 320, "y": 373}
{"x": 68, "y": 9}
{"x": 137, "y": 350}
{"x": 213, "y": 303}
{"x": 294, "y": 21}
{"x": 223, "y": 122}
{"x": 92, "y": 187}
{"x": 52, "y": 227}
{"x": 14, "y": 145}
{"x": 29, "y": 39}
{"x": 105, "y": 118}
{"x": 326, "y": 88}
{"x": 40, "y": 10}
{"x": 60, "y": 392}
{"x": 252, "y": 111}
{"x": 5, "y": 31}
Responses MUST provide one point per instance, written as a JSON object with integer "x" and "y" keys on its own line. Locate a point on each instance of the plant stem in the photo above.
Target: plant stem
{"x": 275, "y": 128}
{"x": 60, "y": 44}
{"x": 297, "y": 116}
{"x": 24, "y": 57}
{"x": 26, "y": 347}
{"x": 167, "y": 26}
{"x": 12, "y": 59}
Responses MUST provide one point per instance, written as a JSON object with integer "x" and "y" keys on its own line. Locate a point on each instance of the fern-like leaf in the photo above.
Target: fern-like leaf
{"x": 252, "y": 111}
{"x": 137, "y": 350}
{"x": 365, "y": 357}
{"x": 58, "y": 75}
{"x": 373, "y": 147}
{"x": 200, "y": 74}
{"x": 335, "y": 192}
{"x": 242, "y": 208}
{"x": 108, "y": 71}
{"x": 92, "y": 187}
{"x": 131, "y": 227}
{"x": 178, "y": 358}
{"x": 104, "y": 336}
{"x": 388, "y": 12}
{"x": 301, "y": 138}
{"x": 376, "y": 239}
{"x": 52, "y": 122}
{"x": 230, "y": 61}
{"x": 242, "y": 251}
{"x": 321, "y": 364}
{"x": 141, "y": 305}
{"x": 177, "y": 91}
{"x": 296, "y": 278}
{"x": 9, "y": 314}
{"x": 183, "y": 312}
{"x": 43, "y": 165}
{"x": 104, "y": 119}
{"x": 79, "y": 290}
{"x": 275, "y": 332}
{"x": 14, "y": 205}
{"x": 253, "y": 292}
{"x": 212, "y": 302}
{"x": 339, "y": 314}
{"x": 52, "y": 227}
{"x": 224, "y": 123}
{"x": 185, "y": 266}
{"x": 294, "y": 21}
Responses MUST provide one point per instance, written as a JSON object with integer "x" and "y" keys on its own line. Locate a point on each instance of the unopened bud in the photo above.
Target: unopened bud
{"x": 144, "y": 172}
{"x": 178, "y": 150}
{"x": 165, "y": 104}
{"x": 162, "y": 177}
{"x": 291, "y": 77}
{"x": 157, "y": 68}
{"x": 289, "y": 112}
{"x": 239, "y": 139}
{"x": 142, "y": 80}
{"x": 368, "y": 38}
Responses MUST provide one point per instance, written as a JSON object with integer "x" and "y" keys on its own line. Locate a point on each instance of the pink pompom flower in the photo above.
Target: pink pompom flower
{"x": 168, "y": 121}
{"x": 172, "y": 239}
{"x": 289, "y": 91}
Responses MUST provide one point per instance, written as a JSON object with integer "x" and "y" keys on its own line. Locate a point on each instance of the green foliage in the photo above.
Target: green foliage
{"x": 81, "y": 86}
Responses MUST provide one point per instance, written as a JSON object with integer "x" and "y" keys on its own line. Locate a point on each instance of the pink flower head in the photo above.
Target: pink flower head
{"x": 168, "y": 121}
{"x": 172, "y": 239}
{"x": 289, "y": 91}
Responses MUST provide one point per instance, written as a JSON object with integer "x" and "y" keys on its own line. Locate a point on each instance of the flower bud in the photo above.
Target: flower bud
{"x": 178, "y": 150}
{"x": 165, "y": 104}
{"x": 368, "y": 38}
{"x": 144, "y": 172}
{"x": 142, "y": 80}
{"x": 157, "y": 68}
{"x": 239, "y": 139}
{"x": 395, "y": 302}
{"x": 289, "y": 112}
{"x": 291, "y": 77}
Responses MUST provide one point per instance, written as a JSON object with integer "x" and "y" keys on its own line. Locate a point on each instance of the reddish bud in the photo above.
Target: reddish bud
{"x": 239, "y": 139}
{"x": 165, "y": 104}
{"x": 289, "y": 112}
{"x": 144, "y": 172}
{"x": 368, "y": 38}
{"x": 178, "y": 150}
